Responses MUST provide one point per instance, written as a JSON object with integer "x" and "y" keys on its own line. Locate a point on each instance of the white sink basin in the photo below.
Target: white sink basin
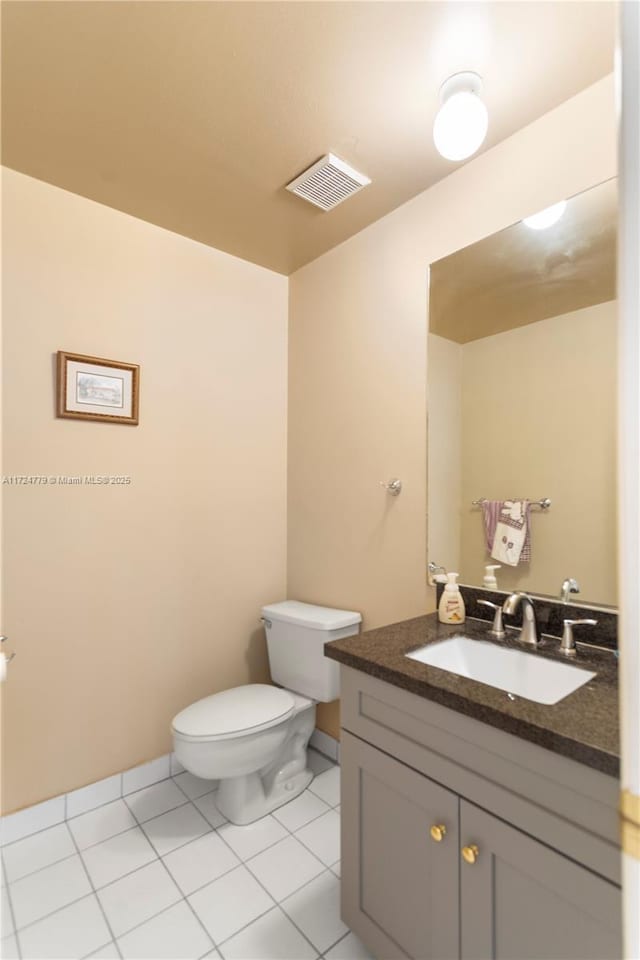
{"x": 522, "y": 674}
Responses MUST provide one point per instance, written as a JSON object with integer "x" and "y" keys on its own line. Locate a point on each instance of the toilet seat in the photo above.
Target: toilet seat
{"x": 232, "y": 713}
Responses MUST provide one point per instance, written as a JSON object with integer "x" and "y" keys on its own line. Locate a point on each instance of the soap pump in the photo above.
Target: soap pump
{"x": 489, "y": 580}
{"x": 451, "y": 608}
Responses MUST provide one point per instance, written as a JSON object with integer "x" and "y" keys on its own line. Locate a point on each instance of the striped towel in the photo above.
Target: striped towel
{"x": 509, "y": 514}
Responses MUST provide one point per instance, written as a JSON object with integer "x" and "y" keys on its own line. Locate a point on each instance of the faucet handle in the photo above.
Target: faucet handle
{"x": 497, "y": 630}
{"x": 568, "y": 642}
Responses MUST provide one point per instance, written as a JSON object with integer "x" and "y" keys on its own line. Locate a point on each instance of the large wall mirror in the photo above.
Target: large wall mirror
{"x": 522, "y": 401}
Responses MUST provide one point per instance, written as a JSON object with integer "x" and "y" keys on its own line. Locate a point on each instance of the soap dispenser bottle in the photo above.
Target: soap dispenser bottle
{"x": 489, "y": 579}
{"x": 451, "y": 608}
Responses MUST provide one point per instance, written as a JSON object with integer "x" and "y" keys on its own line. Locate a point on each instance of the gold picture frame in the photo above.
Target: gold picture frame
{"x": 89, "y": 388}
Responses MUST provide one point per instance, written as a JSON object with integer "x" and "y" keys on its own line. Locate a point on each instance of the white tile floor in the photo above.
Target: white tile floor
{"x": 160, "y": 874}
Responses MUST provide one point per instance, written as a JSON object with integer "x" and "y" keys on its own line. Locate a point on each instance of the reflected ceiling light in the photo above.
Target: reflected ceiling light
{"x": 461, "y": 122}
{"x": 547, "y": 217}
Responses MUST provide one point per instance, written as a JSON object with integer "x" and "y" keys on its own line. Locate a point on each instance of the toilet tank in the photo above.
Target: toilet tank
{"x": 296, "y": 635}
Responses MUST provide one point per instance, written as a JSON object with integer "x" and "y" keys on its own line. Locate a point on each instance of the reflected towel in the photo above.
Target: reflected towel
{"x": 490, "y": 513}
{"x": 512, "y": 540}
{"x": 508, "y": 530}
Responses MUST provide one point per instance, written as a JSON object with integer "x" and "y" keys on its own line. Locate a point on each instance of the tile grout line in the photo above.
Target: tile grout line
{"x": 185, "y": 897}
{"x": 80, "y": 850}
{"x": 245, "y": 865}
{"x": 102, "y": 946}
{"x": 285, "y": 915}
{"x": 159, "y": 857}
{"x": 93, "y": 887}
{"x": 326, "y": 869}
{"x": 50, "y": 826}
{"x": 121, "y": 796}
{"x": 27, "y": 836}
{"x": 339, "y": 940}
{"x": 307, "y": 822}
{"x": 296, "y": 925}
{"x": 47, "y": 916}
{"x": 180, "y": 845}
{"x": 186, "y": 900}
{"x": 69, "y": 856}
{"x": 307, "y": 847}
{"x": 154, "y": 916}
{"x": 13, "y": 916}
{"x": 139, "y": 824}
{"x": 271, "y": 897}
{"x": 97, "y": 890}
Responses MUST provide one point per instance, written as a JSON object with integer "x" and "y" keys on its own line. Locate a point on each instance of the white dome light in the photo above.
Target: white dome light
{"x": 547, "y": 217}
{"x": 462, "y": 121}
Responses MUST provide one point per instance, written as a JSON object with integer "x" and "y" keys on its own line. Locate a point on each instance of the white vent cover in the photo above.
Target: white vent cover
{"x": 328, "y": 182}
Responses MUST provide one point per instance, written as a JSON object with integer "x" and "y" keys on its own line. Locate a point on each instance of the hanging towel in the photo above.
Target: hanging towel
{"x": 512, "y": 535}
{"x": 490, "y": 513}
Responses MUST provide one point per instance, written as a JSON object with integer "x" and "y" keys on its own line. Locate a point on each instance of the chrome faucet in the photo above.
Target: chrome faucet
{"x": 529, "y": 632}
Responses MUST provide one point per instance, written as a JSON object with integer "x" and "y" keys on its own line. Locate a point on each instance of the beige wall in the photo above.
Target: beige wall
{"x": 538, "y": 420}
{"x": 125, "y": 604}
{"x": 444, "y": 451}
{"x": 357, "y": 380}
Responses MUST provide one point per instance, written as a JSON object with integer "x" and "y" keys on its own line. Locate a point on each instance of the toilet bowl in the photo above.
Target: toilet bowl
{"x": 254, "y": 738}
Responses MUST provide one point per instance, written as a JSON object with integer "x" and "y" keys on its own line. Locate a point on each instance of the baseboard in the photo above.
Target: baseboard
{"x": 40, "y": 816}
{"x": 325, "y": 744}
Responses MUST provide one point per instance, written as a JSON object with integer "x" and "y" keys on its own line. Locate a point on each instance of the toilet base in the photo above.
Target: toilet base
{"x": 252, "y": 796}
{"x": 243, "y": 799}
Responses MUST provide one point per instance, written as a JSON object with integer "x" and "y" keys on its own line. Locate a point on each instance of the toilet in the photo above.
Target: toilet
{"x": 254, "y": 738}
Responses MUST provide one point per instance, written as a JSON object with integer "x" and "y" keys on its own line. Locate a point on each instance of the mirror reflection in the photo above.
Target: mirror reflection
{"x": 522, "y": 404}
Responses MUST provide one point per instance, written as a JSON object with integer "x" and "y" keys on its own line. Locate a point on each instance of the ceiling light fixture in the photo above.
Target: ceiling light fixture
{"x": 547, "y": 217}
{"x": 461, "y": 122}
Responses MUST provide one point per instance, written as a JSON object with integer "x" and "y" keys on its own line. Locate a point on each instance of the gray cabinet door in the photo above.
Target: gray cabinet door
{"x": 521, "y": 900}
{"x": 399, "y": 886}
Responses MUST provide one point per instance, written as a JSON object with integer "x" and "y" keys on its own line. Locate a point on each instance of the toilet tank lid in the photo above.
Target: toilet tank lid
{"x": 240, "y": 709}
{"x": 309, "y": 615}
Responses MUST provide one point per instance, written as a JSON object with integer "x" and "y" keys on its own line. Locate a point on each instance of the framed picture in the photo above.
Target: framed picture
{"x": 90, "y": 388}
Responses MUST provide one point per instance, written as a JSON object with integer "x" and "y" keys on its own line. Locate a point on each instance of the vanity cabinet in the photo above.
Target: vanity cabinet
{"x": 434, "y": 867}
{"x": 406, "y": 883}
{"x": 521, "y": 899}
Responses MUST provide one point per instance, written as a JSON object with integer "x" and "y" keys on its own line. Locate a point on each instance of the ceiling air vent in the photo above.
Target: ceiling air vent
{"x": 328, "y": 182}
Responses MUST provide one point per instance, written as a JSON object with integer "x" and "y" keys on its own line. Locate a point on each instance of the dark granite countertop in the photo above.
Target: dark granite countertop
{"x": 582, "y": 726}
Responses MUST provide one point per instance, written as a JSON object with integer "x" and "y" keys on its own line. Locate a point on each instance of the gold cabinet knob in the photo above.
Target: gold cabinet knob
{"x": 471, "y": 853}
{"x": 438, "y": 831}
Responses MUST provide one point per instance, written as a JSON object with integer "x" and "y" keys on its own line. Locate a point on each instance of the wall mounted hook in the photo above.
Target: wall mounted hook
{"x": 393, "y": 487}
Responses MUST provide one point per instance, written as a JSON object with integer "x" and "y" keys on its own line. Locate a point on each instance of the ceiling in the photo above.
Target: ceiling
{"x": 520, "y": 275}
{"x": 194, "y": 115}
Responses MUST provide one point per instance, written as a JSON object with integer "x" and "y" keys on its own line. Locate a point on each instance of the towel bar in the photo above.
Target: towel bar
{"x": 544, "y": 504}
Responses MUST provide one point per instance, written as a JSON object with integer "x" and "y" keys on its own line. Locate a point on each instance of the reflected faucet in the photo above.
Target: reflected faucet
{"x": 529, "y": 632}
{"x": 569, "y": 586}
